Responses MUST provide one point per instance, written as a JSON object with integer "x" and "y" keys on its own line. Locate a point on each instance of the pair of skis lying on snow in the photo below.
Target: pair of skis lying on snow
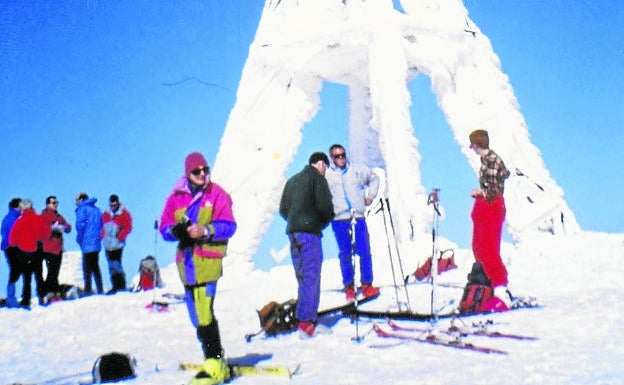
{"x": 237, "y": 370}
{"x": 450, "y": 337}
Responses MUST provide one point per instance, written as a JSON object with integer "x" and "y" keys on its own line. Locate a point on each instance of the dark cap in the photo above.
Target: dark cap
{"x": 315, "y": 157}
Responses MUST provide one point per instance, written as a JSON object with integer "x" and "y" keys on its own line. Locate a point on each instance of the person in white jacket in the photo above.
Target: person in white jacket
{"x": 353, "y": 187}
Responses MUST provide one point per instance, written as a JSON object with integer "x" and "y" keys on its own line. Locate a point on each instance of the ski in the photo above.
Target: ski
{"x": 524, "y": 302}
{"x": 402, "y": 315}
{"x": 345, "y": 307}
{"x": 237, "y": 370}
{"x": 158, "y": 306}
{"x": 517, "y": 303}
{"x": 162, "y": 304}
{"x": 476, "y": 329}
{"x": 432, "y": 339}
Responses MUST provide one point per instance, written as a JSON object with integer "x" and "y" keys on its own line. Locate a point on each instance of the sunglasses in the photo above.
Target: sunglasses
{"x": 198, "y": 171}
{"x": 53, "y": 202}
{"x": 339, "y": 156}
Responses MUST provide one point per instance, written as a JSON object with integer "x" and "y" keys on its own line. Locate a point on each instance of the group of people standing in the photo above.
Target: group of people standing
{"x": 30, "y": 239}
{"x": 318, "y": 195}
{"x": 339, "y": 193}
{"x": 198, "y": 216}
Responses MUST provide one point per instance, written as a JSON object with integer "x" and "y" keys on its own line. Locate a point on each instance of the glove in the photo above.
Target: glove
{"x": 179, "y": 231}
{"x": 57, "y": 230}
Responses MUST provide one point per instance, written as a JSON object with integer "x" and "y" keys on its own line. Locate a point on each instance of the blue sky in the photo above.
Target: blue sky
{"x": 108, "y": 97}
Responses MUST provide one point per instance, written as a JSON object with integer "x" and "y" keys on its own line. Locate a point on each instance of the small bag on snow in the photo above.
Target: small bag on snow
{"x": 149, "y": 274}
{"x": 445, "y": 262}
{"x": 278, "y": 318}
{"x": 113, "y": 367}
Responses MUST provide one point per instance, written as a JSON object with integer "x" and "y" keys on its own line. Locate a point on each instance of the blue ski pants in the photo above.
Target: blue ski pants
{"x": 307, "y": 256}
{"x": 342, "y": 231}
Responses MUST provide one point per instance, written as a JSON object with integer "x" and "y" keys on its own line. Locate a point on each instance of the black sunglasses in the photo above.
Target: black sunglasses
{"x": 198, "y": 171}
{"x": 339, "y": 156}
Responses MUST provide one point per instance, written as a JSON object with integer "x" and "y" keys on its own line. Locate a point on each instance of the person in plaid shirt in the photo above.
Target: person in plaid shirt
{"x": 488, "y": 215}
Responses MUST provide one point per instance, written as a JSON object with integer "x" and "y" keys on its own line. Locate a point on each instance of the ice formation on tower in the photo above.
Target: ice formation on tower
{"x": 375, "y": 50}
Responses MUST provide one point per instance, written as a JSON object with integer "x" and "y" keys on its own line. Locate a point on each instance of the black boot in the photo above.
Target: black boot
{"x": 210, "y": 340}
{"x": 119, "y": 281}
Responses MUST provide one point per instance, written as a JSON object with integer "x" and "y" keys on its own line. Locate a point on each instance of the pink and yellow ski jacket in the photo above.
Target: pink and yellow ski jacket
{"x": 211, "y": 206}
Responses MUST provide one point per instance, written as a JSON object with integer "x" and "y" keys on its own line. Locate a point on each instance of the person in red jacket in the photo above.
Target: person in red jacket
{"x": 117, "y": 225}
{"x": 28, "y": 234}
{"x": 53, "y": 245}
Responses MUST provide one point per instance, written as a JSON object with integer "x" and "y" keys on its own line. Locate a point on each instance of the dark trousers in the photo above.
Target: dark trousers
{"x": 23, "y": 266}
{"x": 91, "y": 266}
{"x": 14, "y": 258}
{"x": 37, "y": 270}
{"x": 53, "y": 264}
{"x": 115, "y": 269}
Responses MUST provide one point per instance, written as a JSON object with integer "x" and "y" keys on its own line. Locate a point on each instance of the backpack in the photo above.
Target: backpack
{"x": 276, "y": 318}
{"x": 113, "y": 367}
{"x": 446, "y": 262}
{"x": 477, "y": 291}
{"x": 149, "y": 274}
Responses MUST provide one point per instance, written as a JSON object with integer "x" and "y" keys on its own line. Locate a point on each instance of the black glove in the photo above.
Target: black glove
{"x": 179, "y": 231}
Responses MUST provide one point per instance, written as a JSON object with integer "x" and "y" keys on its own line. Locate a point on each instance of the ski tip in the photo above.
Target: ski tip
{"x": 294, "y": 371}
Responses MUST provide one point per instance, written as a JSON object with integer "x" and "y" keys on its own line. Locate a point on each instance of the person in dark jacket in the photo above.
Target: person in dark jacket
{"x": 306, "y": 205}
{"x": 53, "y": 246}
{"x": 28, "y": 234}
{"x": 89, "y": 238}
{"x": 11, "y": 251}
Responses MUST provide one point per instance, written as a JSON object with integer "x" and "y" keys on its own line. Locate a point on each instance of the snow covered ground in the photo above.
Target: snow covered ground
{"x": 581, "y": 337}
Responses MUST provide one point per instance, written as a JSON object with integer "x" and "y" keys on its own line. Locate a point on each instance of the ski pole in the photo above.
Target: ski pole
{"x": 357, "y": 337}
{"x": 396, "y": 290}
{"x": 396, "y": 246}
{"x": 155, "y": 237}
{"x": 432, "y": 199}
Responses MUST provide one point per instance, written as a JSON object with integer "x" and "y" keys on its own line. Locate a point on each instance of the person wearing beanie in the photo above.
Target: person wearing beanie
{"x": 117, "y": 225}
{"x": 306, "y": 205}
{"x": 488, "y": 215}
{"x": 198, "y": 216}
{"x": 353, "y": 187}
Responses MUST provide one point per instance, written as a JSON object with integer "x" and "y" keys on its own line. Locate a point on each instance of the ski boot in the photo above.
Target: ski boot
{"x": 213, "y": 371}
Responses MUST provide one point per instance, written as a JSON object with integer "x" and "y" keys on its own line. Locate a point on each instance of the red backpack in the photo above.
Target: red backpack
{"x": 477, "y": 291}
{"x": 149, "y": 274}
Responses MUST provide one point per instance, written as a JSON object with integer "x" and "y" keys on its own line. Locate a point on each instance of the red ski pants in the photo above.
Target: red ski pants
{"x": 487, "y": 219}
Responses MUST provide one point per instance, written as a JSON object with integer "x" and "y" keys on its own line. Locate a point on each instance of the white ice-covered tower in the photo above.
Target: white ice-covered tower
{"x": 375, "y": 50}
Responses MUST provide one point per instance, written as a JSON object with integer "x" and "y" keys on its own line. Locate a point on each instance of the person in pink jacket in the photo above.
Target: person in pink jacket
{"x": 198, "y": 215}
